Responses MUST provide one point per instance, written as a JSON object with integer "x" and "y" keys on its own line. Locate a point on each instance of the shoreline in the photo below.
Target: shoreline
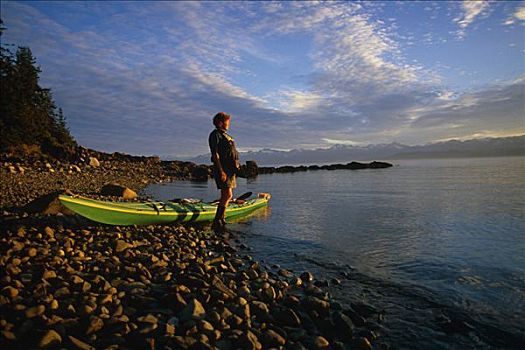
{"x": 73, "y": 283}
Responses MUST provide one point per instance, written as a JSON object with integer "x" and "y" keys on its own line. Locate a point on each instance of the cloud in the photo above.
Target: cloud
{"x": 518, "y": 15}
{"x": 496, "y": 110}
{"x": 471, "y": 10}
{"x": 151, "y": 86}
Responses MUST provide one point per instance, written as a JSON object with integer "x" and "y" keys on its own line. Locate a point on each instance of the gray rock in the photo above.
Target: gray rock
{"x": 121, "y": 245}
{"x": 95, "y": 324}
{"x": 200, "y": 173}
{"x": 35, "y": 311}
{"x": 184, "y": 342}
{"x": 49, "y": 339}
{"x": 271, "y": 338}
{"x": 193, "y": 311}
{"x": 260, "y": 310}
{"x": 49, "y": 204}
{"x": 10, "y": 292}
{"x": 149, "y": 318}
{"x": 75, "y": 168}
{"x": 321, "y": 343}
{"x": 114, "y": 189}
{"x": 270, "y": 293}
{"x": 249, "y": 341}
{"x": 79, "y": 344}
{"x": 94, "y": 162}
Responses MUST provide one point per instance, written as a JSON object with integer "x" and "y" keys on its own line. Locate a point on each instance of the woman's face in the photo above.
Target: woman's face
{"x": 226, "y": 124}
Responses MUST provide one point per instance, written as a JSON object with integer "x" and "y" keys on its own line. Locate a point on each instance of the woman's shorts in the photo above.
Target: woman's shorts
{"x": 223, "y": 185}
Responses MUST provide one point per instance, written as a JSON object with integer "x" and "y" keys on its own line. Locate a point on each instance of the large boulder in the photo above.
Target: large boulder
{"x": 250, "y": 170}
{"x": 94, "y": 162}
{"x": 49, "y": 204}
{"x": 200, "y": 173}
{"x": 117, "y": 190}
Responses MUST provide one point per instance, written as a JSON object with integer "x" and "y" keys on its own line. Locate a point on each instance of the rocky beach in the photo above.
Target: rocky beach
{"x": 69, "y": 283}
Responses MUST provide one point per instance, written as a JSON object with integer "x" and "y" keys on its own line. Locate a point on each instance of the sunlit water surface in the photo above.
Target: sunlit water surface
{"x": 420, "y": 240}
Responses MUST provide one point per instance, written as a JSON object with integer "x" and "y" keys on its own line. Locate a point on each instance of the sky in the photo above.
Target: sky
{"x": 147, "y": 77}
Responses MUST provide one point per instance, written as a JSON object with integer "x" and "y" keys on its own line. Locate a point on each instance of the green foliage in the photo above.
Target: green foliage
{"x": 28, "y": 114}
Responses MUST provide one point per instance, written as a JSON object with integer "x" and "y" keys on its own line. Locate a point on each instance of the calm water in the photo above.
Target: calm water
{"x": 423, "y": 239}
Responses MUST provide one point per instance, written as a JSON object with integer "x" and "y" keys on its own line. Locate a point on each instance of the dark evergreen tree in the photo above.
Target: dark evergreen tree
{"x": 28, "y": 113}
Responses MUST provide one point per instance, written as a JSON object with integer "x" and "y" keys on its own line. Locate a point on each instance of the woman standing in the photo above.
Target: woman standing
{"x": 225, "y": 160}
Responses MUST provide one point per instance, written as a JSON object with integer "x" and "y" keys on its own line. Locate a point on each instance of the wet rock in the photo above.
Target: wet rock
{"x": 311, "y": 303}
{"x": 357, "y": 319}
{"x": 321, "y": 284}
{"x": 285, "y": 273}
{"x": 312, "y": 289}
{"x": 456, "y": 326}
{"x": 296, "y": 281}
{"x": 287, "y": 317}
{"x": 361, "y": 343}
{"x": 364, "y": 309}
{"x": 343, "y": 324}
{"x": 336, "y": 281}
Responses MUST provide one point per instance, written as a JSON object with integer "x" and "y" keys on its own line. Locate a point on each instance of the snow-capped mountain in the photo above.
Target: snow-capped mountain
{"x": 488, "y": 147}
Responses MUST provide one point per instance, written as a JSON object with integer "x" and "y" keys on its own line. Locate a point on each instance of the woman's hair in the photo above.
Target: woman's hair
{"x": 220, "y": 117}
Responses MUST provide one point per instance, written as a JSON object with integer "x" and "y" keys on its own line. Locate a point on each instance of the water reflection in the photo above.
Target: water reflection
{"x": 261, "y": 214}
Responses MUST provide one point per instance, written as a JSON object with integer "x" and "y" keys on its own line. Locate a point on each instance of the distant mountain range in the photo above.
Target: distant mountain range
{"x": 488, "y": 147}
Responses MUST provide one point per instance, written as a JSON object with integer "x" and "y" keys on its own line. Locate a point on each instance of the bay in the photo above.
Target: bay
{"x": 432, "y": 243}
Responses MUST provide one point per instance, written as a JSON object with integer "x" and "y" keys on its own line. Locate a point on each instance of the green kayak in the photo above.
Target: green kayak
{"x": 146, "y": 213}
